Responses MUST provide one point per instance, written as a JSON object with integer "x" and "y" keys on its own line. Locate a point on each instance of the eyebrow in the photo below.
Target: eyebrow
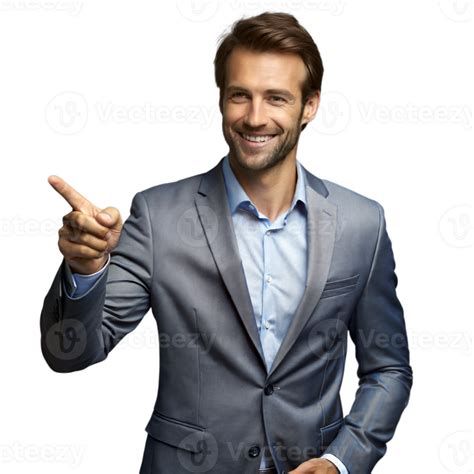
{"x": 283, "y": 92}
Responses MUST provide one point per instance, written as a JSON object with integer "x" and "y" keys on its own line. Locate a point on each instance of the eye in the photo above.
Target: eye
{"x": 238, "y": 95}
{"x": 277, "y": 98}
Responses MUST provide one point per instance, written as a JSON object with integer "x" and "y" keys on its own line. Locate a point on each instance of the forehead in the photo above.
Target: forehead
{"x": 268, "y": 70}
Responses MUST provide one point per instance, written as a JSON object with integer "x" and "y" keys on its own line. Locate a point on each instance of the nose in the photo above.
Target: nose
{"x": 255, "y": 116}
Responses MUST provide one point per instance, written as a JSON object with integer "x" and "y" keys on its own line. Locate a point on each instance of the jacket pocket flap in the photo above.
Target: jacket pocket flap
{"x": 177, "y": 433}
{"x": 338, "y": 287}
{"x": 332, "y": 285}
{"x": 329, "y": 432}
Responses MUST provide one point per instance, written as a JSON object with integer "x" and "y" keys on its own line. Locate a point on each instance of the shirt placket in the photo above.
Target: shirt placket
{"x": 269, "y": 295}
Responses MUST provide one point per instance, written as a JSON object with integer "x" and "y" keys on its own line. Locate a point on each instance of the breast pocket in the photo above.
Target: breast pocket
{"x": 340, "y": 286}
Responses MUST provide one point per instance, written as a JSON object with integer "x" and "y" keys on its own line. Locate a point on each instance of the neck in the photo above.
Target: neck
{"x": 272, "y": 189}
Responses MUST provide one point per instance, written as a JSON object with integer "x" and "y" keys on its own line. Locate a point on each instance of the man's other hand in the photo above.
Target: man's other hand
{"x": 316, "y": 466}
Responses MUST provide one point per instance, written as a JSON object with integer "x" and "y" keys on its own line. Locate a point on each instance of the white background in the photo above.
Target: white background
{"x": 78, "y": 81}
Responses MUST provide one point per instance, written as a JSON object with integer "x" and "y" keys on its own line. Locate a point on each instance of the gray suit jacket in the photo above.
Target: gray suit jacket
{"x": 217, "y": 406}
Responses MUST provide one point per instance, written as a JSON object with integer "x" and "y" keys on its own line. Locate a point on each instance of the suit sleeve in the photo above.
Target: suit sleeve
{"x": 77, "y": 332}
{"x": 378, "y": 330}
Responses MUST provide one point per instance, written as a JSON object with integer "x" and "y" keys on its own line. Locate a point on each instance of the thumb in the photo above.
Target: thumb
{"x": 110, "y": 217}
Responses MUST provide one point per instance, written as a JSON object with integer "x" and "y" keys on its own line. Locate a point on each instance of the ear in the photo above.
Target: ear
{"x": 311, "y": 107}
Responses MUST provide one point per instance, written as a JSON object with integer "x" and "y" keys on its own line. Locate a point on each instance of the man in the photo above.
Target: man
{"x": 268, "y": 265}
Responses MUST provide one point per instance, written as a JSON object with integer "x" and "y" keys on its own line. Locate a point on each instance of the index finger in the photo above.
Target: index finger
{"x": 77, "y": 201}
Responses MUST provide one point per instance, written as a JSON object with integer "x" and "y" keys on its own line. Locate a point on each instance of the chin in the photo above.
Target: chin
{"x": 255, "y": 162}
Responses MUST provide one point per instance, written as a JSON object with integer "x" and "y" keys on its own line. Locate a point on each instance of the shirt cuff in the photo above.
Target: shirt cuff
{"x": 336, "y": 462}
{"x": 77, "y": 284}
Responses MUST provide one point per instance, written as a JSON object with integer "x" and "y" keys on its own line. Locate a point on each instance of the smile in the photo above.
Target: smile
{"x": 256, "y": 140}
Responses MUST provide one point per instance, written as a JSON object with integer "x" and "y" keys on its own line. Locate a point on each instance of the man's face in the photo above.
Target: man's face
{"x": 262, "y": 101}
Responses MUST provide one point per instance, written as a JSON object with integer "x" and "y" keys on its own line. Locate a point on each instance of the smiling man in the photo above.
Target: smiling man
{"x": 256, "y": 272}
{"x": 263, "y": 113}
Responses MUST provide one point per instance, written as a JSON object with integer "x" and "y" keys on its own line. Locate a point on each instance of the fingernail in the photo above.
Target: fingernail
{"x": 108, "y": 235}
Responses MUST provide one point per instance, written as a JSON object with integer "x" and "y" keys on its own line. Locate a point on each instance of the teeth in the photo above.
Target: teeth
{"x": 253, "y": 138}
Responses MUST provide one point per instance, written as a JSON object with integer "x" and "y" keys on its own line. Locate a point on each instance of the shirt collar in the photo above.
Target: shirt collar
{"x": 237, "y": 197}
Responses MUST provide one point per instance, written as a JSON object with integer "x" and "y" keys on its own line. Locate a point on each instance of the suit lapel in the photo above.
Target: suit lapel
{"x": 321, "y": 231}
{"x": 216, "y": 220}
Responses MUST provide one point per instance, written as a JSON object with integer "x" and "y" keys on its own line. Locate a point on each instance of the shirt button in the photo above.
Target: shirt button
{"x": 268, "y": 232}
{"x": 269, "y": 279}
{"x": 266, "y": 324}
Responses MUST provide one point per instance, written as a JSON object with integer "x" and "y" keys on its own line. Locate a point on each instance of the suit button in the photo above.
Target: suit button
{"x": 268, "y": 389}
{"x": 254, "y": 451}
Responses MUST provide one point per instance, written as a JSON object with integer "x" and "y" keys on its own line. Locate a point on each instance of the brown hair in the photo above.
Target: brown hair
{"x": 271, "y": 31}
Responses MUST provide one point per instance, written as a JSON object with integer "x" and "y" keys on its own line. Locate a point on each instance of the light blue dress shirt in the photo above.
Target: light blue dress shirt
{"x": 274, "y": 258}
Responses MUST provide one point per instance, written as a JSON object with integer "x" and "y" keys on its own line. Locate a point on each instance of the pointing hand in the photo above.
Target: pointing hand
{"x": 88, "y": 233}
